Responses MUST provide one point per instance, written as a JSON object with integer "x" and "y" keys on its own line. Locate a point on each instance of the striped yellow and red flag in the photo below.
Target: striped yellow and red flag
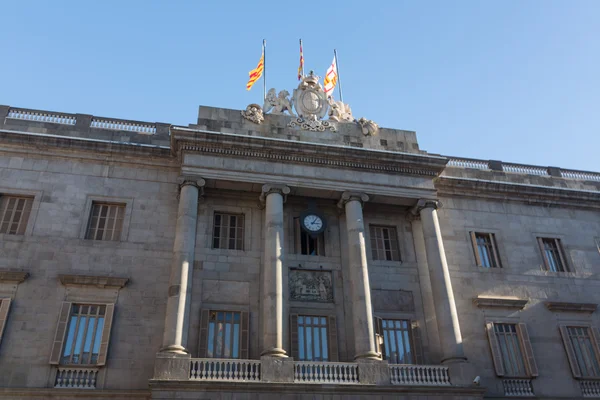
{"x": 257, "y": 72}
{"x": 301, "y": 67}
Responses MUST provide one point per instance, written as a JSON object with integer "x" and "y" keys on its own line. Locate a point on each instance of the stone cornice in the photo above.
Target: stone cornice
{"x": 571, "y": 307}
{"x": 286, "y": 151}
{"x": 530, "y": 194}
{"x": 95, "y": 281}
{"x": 13, "y": 276}
{"x": 499, "y": 302}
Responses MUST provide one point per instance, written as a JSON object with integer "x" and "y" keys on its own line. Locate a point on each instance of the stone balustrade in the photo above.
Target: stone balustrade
{"x": 76, "y": 377}
{"x": 513, "y": 168}
{"x": 590, "y": 388}
{"x": 325, "y": 372}
{"x": 518, "y": 388}
{"x": 419, "y": 375}
{"x": 103, "y": 123}
{"x": 214, "y": 369}
{"x": 41, "y": 116}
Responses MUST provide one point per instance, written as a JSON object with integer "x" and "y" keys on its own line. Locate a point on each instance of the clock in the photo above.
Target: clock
{"x": 312, "y": 222}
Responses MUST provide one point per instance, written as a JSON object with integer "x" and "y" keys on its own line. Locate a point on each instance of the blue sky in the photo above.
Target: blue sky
{"x": 509, "y": 80}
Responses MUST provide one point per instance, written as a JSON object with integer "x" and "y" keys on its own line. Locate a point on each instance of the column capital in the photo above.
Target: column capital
{"x": 425, "y": 203}
{"x": 269, "y": 188}
{"x": 195, "y": 181}
{"x": 352, "y": 196}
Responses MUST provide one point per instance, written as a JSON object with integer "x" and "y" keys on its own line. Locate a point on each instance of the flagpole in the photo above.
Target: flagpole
{"x": 302, "y": 55}
{"x": 337, "y": 70}
{"x": 264, "y": 70}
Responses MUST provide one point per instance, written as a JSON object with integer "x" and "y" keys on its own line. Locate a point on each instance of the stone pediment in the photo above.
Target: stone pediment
{"x": 562, "y": 306}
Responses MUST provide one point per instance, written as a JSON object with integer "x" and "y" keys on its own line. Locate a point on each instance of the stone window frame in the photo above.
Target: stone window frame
{"x": 415, "y": 334}
{"x": 245, "y": 331}
{"x": 526, "y": 349}
{"x": 562, "y": 249}
{"x": 594, "y": 332}
{"x": 499, "y": 242}
{"x": 401, "y": 238}
{"x": 9, "y": 282}
{"x": 333, "y": 345}
{"x": 296, "y": 236}
{"x": 89, "y": 290}
{"x": 494, "y": 257}
{"x": 211, "y": 209}
{"x": 35, "y": 207}
{"x": 87, "y": 215}
{"x": 294, "y": 211}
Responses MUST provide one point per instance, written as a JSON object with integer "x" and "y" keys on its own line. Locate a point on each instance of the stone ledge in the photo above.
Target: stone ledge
{"x": 498, "y": 302}
{"x": 96, "y": 281}
{"x": 571, "y": 307}
{"x": 13, "y": 276}
{"x": 65, "y": 394}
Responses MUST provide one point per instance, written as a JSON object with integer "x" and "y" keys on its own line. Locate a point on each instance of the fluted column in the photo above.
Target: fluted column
{"x": 272, "y": 311}
{"x": 441, "y": 285}
{"x": 180, "y": 280}
{"x": 362, "y": 313}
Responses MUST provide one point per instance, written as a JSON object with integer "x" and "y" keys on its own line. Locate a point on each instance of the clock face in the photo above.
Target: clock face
{"x": 313, "y": 223}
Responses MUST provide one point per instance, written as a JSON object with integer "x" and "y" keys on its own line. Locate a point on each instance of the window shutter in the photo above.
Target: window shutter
{"x": 379, "y": 336}
{"x": 4, "y": 308}
{"x": 108, "y": 320}
{"x": 595, "y": 334}
{"x": 332, "y": 340}
{"x": 475, "y": 250}
{"x": 495, "y": 347}
{"x": 570, "y": 351}
{"x": 561, "y": 254}
{"x": 203, "y": 341}
{"x": 294, "y": 336}
{"x": 416, "y": 342}
{"x": 532, "y": 368}
{"x": 545, "y": 260}
{"x": 59, "y": 336}
{"x": 245, "y": 337}
{"x": 495, "y": 250}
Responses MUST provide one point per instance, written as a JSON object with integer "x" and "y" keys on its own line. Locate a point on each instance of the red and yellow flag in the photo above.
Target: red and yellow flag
{"x": 330, "y": 78}
{"x": 257, "y": 72}
{"x": 301, "y": 67}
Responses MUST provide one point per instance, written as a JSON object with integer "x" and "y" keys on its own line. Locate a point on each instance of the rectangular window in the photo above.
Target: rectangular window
{"x": 14, "y": 214}
{"x": 313, "y": 338}
{"x": 224, "y": 333}
{"x": 583, "y": 350}
{"x": 553, "y": 255}
{"x": 397, "y": 347}
{"x": 307, "y": 244}
{"x": 228, "y": 231}
{"x": 510, "y": 349}
{"x": 84, "y": 334}
{"x": 106, "y": 221}
{"x": 384, "y": 243}
{"x": 485, "y": 249}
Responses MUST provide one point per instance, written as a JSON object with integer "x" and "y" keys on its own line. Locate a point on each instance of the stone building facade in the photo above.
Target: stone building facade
{"x": 236, "y": 259}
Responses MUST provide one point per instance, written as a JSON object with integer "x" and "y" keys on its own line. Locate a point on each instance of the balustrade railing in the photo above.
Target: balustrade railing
{"x": 41, "y": 117}
{"x": 419, "y": 375}
{"x": 525, "y": 169}
{"x": 468, "y": 163}
{"x": 213, "y": 369}
{"x": 518, "y": 387}
{"x": 325, "y": 372}
{"x": 581, "y": 175}
{"x": 102, "y": 123}
{"x": 590, "y": 388}
{"x": 76, "y": 378}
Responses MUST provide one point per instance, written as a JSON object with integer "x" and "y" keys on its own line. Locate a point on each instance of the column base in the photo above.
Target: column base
{"x": 277, "y": 369}
{"x": 174, "y": 349}
{"x": 274, "y": 352}
{"x": 369, "y": 355}
{"x": 172, "y": 366}
{"x": 373, "y": 372}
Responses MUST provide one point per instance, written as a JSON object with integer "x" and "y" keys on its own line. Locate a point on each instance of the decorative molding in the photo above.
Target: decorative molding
{"x": 352, "y": 196}
{"x": 312, "y": 125}
{"x": 13, "y": 276}
{"x": 560, "y": 306}
{"x": 425, "y": 203}
{"x": 499, "y": 302}
{"x": 269, "y": 188}
{"x": 96, "y": 281}
{"x": 253, "y": 113}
